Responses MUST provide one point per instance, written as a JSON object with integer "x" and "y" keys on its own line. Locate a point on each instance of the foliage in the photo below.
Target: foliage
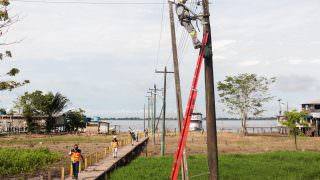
{"x": 75, "y": 120}
{"x": 15, "y": 161}
{"x": 3, "y": 111}
{"x": 245, "y": 94}
{"x": 273, "y": 165}
{"x": 5, "y": 22}
{"x": 295, "y": 118}
{"x": 39, "y": 104}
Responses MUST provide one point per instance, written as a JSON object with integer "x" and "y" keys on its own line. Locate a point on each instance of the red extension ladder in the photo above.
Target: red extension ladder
{"x": 189, "y": 111}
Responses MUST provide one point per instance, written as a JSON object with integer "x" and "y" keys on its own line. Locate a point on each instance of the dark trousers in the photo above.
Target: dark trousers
{"x": 75, "y": 169}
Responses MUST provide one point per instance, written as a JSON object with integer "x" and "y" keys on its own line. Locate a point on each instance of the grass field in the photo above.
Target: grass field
{"x": 16, "y": 161}
{"x": 293, "y": 165}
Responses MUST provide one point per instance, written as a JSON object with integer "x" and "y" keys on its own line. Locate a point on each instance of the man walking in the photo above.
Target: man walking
{"x": 75, "y": 155}
{"x": 114, "y": 145}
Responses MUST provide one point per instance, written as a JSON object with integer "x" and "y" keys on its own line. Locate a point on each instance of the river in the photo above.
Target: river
{"x": 227, "y": 125}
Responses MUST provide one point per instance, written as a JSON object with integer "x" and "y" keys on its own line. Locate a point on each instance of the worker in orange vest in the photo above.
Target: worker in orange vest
{"x": 114, "y": 145}
{"x": 75, "y": 155}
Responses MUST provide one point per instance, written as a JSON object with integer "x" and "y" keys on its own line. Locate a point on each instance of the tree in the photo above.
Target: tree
{"x": 75, "y": 120}
{"x": 295, "y": 119}
{"x": 5, "y": 22}
{"x": 55, "y": 105}
{"x": 245, "y": 94}
{"x": 39, "y": 104}
{"x": 3, "y": 111}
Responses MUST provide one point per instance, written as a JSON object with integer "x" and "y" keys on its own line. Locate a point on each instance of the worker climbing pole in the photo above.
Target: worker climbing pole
{"x": 186, "y": 16}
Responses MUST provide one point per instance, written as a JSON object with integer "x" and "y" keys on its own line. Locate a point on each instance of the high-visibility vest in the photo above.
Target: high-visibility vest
{"x": 114, "y": 144}
{"x": 75, "y": 157}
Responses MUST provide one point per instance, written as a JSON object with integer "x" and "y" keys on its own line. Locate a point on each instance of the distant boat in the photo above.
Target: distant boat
{"x": 196, "y": 122}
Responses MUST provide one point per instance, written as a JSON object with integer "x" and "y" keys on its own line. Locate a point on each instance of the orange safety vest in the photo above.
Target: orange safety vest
{"x": 75, "y": 157}
{"x": 114, "y": 144}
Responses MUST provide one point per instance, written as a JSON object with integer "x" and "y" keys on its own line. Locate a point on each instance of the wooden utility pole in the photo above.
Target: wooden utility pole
{"x": 165, "y": 72}
{"x": 212, "y": 146}
{"x": 184, "y": 164}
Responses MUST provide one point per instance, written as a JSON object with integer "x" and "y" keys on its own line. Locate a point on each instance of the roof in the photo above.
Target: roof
{"x": 317, "y": 101}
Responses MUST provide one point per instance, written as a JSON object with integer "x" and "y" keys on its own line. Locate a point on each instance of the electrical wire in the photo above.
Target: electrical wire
{"x": 160, "y": 36}
{"x": 89, "y": 3}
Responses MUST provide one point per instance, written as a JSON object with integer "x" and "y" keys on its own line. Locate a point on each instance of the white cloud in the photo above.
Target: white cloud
{"x": 248, "y": 63}
{"x": 222, "y": 44}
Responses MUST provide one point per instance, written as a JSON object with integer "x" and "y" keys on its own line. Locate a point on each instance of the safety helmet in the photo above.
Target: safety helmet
{"x": 114, "y": 137}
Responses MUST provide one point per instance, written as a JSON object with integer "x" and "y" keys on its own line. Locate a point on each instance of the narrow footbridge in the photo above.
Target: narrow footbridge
{"x": 103, "y": 168}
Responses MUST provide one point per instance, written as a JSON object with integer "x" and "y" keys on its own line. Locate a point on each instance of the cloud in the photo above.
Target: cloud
{"x": 248, "y": 63}
{"x": 316, "y": 61}
{"x": 296, "y": 83}
{"x": 295, "y": 61}
{"x": 223, "y": 44}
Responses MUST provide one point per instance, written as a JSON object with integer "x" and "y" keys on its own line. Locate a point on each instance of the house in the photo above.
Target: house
{"x": 17, "y": 123}
{"x": 313, "y": 108}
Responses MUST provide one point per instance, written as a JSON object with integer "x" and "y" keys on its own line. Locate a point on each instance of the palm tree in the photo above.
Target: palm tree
{"x": 58, "y": 103}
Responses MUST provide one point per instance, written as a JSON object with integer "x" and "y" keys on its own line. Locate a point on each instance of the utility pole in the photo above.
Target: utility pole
{"x": 165, "y": 72}
{"x": 149, "y": 96}
{"x": 144, "y": 117}
{"x": 212, "y": 146}
{"x": 280, "y": 109}
{"x": 184, "y": 164}
{"x": 154, "y": 93}
{"x": 151, "y": 110}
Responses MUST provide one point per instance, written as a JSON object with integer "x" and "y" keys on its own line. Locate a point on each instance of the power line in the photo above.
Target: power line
{"x": 160, "y": 37}
{"x": 90, "y": 3}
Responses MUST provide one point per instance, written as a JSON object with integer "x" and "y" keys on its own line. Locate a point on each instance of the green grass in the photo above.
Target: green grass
{"x": 15, "y": 161}
{"x": 286, "y": 165}
{"x": 57, "y": 139}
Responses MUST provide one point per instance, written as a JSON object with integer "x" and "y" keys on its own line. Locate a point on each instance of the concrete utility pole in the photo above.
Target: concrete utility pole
{"x": 212, "y": 146}
{"x": 144, "y": 116}
{"x": 151, "y": 111}
{"x": 148, "y": 114}
{"x": 165, "y": 72}
{"x": 154, "y": 93}
{"x": 184, "y": 164}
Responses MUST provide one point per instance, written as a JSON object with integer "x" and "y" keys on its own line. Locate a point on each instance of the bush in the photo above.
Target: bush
{"x": 14, "y": 161}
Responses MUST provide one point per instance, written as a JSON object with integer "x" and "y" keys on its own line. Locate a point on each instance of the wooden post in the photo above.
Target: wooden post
{"x": 96, "y": 157}
{"x": 86, "y": 163}
{"x": 49, "y": 175}
{"x": 62, "y": 173}
{"x": 105, "y": 152}
{"x": 79, "y": 169}
{"x": 71, "y": 170}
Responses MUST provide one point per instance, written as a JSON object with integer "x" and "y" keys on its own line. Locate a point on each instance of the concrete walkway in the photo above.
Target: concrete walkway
{"x": 98, "y": 169}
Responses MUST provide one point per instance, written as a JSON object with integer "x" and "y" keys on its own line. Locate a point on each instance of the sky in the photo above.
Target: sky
{"x": 103, "y": 56}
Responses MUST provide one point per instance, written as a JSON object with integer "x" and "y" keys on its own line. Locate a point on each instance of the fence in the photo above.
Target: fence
{"x": 89, "y": 160}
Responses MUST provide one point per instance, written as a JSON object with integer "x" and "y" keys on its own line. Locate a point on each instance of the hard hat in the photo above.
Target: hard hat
{"x": 114, "y": 136}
